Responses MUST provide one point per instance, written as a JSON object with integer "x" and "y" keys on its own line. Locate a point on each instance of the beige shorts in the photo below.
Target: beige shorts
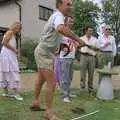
{"x": 44, "y": 59}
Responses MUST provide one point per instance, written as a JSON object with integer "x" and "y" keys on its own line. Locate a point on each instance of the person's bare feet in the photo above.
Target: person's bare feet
{"x": 50, "y": 115}
{"x": 36, "y": 106}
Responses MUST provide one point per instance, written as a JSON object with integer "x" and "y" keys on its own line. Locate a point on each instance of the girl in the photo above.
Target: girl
{"x": 9, "y": 69}
{"x": 57, "y": 64}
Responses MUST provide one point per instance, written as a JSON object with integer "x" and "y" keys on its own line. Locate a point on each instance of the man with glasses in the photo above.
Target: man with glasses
{"x": 107, "y": 46}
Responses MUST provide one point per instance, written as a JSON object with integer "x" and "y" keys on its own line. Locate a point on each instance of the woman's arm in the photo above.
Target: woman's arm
{"x": 8, "y": 35}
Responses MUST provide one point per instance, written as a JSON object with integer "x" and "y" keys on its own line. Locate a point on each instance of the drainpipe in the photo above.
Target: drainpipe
{"x": 20, "y": 19}
{"x": 20, "y": 10}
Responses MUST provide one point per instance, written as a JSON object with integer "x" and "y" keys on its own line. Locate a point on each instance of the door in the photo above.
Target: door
{"x": 1, "y": 37}
{"x": 2, "y": 32}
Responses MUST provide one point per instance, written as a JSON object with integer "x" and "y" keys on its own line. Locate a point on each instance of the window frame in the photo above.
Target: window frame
{"x": 47, "y": 10}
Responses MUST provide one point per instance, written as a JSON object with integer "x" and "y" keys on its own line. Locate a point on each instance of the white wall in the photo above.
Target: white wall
{"x": 8, "y": 14}
{"x": 32, "y": 25}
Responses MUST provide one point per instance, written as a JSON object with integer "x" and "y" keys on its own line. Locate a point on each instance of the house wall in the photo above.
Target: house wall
{"x": 31, "y": 24}
{"x": 8, "y": 14}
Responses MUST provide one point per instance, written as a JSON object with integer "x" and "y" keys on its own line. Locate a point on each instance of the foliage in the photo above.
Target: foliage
{"x": 27, "y": 53}
{"x": 111, "y": 16}
{"x": 76, "y": 65}
{"x": 85, "y": 13}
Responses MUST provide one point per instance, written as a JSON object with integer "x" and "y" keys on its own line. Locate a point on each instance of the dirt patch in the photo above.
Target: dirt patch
{"x": 28, "y": 80}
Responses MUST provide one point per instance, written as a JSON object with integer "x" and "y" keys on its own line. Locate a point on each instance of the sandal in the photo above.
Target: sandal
{"x": 50, "y": 115}
{"x": 36, "y": 108}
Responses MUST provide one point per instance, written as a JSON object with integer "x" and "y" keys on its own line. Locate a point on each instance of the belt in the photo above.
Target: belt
{"x": 87, "y": 54}
{"x": 106, "y": 51}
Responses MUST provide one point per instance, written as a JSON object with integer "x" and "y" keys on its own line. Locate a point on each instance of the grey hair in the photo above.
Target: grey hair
{"x": 16, "y": 23}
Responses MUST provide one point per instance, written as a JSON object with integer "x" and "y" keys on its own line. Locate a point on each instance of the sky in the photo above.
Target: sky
{"x": 97, "y": 1}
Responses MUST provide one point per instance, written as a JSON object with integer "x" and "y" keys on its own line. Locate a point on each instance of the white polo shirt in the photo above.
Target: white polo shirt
{"x": 92, "y": 41}
{"x": 50, "y": 38}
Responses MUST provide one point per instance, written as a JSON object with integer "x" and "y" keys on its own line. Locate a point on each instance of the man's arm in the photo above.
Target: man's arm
{"x": 62, "y": 29}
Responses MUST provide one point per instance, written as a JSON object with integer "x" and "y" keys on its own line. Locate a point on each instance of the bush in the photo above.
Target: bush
{"x": 77, "y": 55}
{"x": 27, "y": 54}
{"x": 76, "y": 65}
{"x": 117, "y": 59}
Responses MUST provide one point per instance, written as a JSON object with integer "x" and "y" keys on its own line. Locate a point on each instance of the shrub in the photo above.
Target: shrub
{"x": 117, "y": 59}
{"x": 76, "y": 65}
{"x": 27, "y": 54}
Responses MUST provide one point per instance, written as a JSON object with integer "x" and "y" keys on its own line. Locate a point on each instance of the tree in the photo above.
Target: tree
{"x": 85, "y": 13}
{"x": 111, "y": 16}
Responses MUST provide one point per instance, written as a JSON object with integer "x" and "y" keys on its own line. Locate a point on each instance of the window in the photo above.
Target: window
{"x": 44, "y": 13}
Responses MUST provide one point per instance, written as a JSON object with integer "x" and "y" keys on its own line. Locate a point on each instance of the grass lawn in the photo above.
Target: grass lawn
{"x": 10, "y": 109}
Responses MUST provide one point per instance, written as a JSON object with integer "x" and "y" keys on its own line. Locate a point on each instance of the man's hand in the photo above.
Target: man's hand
{"x": 81, "y": 43}
{"x": 108, "y": 43}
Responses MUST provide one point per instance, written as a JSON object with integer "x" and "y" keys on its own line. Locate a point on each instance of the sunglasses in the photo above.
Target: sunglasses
{"x": 107, "y": 29}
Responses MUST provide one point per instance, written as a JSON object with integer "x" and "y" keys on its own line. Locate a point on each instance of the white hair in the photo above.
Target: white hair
{"x": 16, "y": 23}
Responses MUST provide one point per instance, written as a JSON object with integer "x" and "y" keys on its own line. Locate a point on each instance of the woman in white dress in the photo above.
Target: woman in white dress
{"x": 9, "y": 68}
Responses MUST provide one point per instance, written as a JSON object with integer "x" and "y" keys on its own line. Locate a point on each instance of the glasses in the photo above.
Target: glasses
{"x": 107, "y": 29}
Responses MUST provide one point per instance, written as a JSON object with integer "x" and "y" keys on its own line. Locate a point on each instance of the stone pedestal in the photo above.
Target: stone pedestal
{"x": 105, "y": 89}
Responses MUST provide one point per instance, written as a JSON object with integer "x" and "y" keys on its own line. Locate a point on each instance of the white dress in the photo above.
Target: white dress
{"x": 9, "y": 68}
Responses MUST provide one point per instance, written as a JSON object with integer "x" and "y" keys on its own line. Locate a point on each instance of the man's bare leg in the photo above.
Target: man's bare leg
{"x": 50, "y": 88}
{"x": 38, "y": 86}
